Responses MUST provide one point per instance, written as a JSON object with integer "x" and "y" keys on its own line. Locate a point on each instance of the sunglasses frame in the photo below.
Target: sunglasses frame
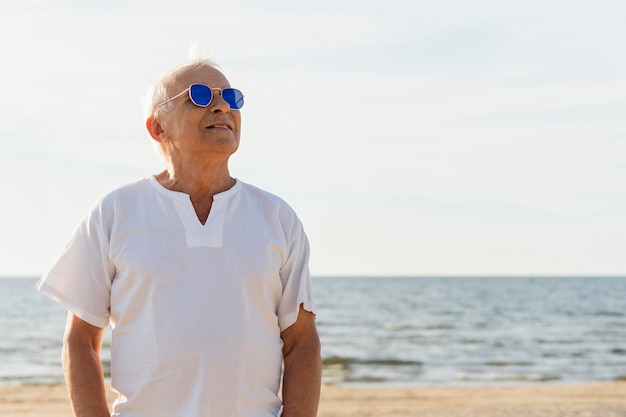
{"x": 188, "y": 90}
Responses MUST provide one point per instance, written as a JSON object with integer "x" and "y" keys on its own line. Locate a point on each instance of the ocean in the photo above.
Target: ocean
{"x": 401, "y": 331}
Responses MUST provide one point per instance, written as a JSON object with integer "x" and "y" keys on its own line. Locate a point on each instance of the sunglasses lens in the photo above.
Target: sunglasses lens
{"x": 200, "y": 94}
{"x": 233, "y": 97}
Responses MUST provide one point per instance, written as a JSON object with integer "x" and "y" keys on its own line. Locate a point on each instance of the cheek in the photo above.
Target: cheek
{"x": 237, "y": 120}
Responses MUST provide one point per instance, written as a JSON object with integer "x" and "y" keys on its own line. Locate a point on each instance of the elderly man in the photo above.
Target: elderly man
{"x": 203, "y": 278}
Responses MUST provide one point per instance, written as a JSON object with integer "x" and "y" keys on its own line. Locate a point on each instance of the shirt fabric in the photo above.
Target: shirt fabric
{"x": 196, "y": 310}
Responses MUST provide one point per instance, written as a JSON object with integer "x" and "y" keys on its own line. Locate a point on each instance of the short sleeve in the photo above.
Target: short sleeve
{"x": 295, "y": 277}
{"x": 80, "y": 279}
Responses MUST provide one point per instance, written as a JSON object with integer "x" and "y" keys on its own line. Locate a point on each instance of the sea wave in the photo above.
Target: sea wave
{"x": 493, "y": 377}
{"x": 400, "y": 331}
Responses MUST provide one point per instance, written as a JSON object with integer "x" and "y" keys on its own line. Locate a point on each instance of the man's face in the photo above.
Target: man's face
{"x": 200, "y": 132}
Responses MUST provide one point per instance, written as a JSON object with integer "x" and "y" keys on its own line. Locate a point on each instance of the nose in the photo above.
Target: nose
{"x": 218, "y": 104}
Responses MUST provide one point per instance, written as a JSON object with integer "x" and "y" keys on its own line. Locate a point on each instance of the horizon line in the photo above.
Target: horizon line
{"x": 416, "y": 276}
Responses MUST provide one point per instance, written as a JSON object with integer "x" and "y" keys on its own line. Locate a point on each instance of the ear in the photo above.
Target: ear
{"x": 155, "y": 130}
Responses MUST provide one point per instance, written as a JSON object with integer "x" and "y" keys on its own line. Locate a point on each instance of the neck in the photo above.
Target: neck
{"x": 207, "y": 184}
{"x": 201, "y": 186}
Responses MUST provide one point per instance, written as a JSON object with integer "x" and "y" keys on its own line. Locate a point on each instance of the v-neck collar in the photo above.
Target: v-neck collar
{"x": 210, "y": 233}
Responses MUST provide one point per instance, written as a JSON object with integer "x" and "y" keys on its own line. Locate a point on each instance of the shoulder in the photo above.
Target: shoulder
{"x": 135, "y": 188}
{"x": 266, "y": 199}
{"x": 130, "y": 191}
{"x": 125, "y": 195}
{"x": 263, "y": 196}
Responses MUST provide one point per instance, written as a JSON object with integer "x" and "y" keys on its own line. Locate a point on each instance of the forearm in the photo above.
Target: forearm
{"x": 85, "y": 381}
{"x": 301, "y": 382}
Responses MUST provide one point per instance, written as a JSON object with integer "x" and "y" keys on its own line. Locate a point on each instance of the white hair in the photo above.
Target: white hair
{"x": 161, "y": 89}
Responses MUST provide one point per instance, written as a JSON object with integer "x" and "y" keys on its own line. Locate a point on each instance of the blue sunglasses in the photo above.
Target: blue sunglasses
{"x": 201, "y": 95}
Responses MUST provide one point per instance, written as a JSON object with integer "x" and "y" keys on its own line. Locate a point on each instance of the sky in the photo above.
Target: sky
{"x": 412, "y": 137}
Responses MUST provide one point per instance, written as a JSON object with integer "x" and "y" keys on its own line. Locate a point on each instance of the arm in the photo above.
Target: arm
{"x": 303, "y": 367}
{"x": 83, "y": 369}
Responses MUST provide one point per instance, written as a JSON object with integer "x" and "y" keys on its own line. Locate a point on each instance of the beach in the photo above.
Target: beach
{"x": 583, "y": 400}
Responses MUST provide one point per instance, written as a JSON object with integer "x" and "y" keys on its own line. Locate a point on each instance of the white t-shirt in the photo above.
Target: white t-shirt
{"x": 196, "y": 310}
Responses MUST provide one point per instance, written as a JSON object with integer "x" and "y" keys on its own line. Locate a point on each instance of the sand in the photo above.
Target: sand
{"x": 590, "y": 400}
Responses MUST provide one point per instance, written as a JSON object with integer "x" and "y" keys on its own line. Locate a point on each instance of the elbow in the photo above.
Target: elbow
{"x": 309, "y": 353}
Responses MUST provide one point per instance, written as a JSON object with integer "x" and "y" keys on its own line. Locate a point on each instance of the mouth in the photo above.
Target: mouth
{"x": 220, "y": 126}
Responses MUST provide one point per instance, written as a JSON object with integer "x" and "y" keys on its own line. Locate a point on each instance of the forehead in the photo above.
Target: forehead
{"x": 202, "y": 75}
